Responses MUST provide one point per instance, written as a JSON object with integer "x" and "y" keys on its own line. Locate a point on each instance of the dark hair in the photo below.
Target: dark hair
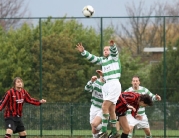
{"x": 146, "y": 99}
{"x": 14, "y": 81}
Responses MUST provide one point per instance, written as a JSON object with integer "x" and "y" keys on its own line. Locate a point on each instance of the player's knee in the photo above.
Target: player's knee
{"x": 147, "y": 132}
{"x": 99, "y": 127}
{"x": 93, "y": 124}
{"x": 131, "y": 129}
{"x": 22, "y": 134}
{"x": 126, "y": 130}
{"x": 9, "y": 131}
{"x": 104, "y": 108}
{"x": 96, "y": 126}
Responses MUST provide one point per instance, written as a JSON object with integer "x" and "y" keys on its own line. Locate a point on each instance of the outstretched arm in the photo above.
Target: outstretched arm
{"x": 92, "y": 58}
{"x": 154, "y": 97}
{"x": 33, "y": 101}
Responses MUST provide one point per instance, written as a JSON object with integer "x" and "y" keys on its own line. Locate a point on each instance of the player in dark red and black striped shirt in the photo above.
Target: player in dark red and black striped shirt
{"x": 130, "y": 100}
{"x": 13, "y": 102}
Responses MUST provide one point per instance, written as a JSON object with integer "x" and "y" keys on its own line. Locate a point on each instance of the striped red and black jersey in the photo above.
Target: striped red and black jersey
{"x": 13, "y": 101}
{"x": 127, "y": 98}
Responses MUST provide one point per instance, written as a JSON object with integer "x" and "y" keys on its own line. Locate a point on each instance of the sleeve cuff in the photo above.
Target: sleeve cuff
{"x": 83, "y": 53}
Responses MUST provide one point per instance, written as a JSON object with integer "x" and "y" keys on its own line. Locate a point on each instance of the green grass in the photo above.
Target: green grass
{"x": 169, "y": 133}
{"x": 87, "y": 133}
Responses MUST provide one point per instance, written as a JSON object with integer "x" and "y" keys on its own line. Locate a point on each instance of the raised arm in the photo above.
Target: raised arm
{"x": 100, "y": 73}
{"x": 114, "y": 51}
{"x": 90, "y": 57}
{"x": 89, "y": 86}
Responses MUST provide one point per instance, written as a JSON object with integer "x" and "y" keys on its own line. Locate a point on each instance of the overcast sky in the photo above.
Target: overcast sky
{"x": 73, "y": 8}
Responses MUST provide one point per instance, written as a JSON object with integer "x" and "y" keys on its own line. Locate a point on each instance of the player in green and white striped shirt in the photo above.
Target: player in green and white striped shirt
{"x": 111, "y": 90}
{"x": 95, "y": 87}
{"x": 141, "y": 120}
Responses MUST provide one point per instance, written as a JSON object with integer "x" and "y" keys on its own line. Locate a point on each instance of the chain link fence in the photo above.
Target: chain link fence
{"x": 68, "y": 119}
{"x": 42, "y": 52}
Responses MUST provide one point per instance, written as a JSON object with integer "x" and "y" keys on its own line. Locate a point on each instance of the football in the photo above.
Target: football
{"x": 88, "y": 11}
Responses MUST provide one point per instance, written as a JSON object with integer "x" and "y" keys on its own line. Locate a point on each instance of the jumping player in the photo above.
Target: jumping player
{"x": 111, "y": 90}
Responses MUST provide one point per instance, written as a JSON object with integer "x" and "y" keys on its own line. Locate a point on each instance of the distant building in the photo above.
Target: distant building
{"x": 154, "y": 54}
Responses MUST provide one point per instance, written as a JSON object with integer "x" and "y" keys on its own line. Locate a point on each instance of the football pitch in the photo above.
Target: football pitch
{"x": 87, "y": 134}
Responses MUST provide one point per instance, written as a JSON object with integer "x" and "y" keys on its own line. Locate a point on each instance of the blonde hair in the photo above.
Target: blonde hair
{"x": 106, "y": 46}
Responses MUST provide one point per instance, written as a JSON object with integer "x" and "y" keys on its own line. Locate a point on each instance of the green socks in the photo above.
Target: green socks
{"x": 113, "y": 127}
{"x": 105, "y": 122}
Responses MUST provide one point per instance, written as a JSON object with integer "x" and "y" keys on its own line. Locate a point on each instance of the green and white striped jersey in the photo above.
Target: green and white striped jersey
{"x": 111, "y": 66}
{"x": 141, "y": 90}
{"x": 96, "y": 89}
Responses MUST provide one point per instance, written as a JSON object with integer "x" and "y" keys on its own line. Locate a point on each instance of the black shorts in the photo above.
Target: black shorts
{"x": 119, "y": 115}
{"x": 15, "y": 124}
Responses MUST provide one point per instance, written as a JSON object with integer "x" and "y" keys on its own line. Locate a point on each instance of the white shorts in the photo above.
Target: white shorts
{"x": 139, "y": 123}
{"x": 95, "y": 111}
{"x": 111, "y": 90}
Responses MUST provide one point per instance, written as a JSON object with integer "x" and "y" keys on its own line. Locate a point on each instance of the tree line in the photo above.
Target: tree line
{"x": 64, "y": 71}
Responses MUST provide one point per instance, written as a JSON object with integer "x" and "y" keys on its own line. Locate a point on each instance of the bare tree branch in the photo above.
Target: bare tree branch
{"x": 144, "y": 31}
{"x": 11, "y": 9}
